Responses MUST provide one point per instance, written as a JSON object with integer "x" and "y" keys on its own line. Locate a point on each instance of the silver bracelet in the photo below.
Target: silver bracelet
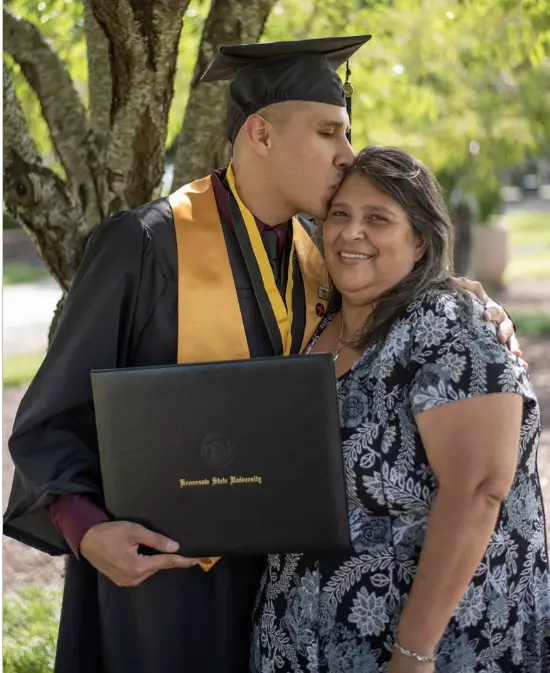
{"x": 413, "y": 655}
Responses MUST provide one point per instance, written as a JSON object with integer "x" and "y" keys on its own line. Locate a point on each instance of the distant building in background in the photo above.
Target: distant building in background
{"x": 528, "y": 182}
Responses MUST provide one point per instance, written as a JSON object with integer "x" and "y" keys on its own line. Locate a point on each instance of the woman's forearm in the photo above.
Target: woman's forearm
{"x": 458, "y": 533}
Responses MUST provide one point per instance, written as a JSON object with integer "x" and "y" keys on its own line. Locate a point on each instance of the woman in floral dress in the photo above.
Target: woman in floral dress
{"x": 449, "y": 569}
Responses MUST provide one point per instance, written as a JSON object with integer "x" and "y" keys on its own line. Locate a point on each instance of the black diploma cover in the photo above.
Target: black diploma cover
{"x": 231, "y": 458}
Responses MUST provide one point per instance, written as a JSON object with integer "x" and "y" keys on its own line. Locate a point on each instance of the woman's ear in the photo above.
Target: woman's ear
{"x": 420, "y": 247}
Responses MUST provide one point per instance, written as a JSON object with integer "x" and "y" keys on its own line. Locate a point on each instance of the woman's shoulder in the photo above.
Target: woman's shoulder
{"x": 442, "y": 317}
{"x": 442, "y": 309}
{"x": 455, "y": 353}
{"x": 454, "y": 306}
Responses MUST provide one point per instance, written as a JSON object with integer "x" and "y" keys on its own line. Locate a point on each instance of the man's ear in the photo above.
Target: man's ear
{"x": 258, "y": 133}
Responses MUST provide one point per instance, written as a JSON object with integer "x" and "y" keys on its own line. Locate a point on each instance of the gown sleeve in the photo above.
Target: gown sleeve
{"x": 54, "y": 443}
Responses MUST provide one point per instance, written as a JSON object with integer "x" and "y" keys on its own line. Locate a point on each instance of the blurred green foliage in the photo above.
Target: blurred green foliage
{"x": 462, "y": 84}
{"x": 31, "y": 620}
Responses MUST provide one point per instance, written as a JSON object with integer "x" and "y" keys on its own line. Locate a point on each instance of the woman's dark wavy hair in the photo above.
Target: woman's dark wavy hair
{"x": 414, "y": 187}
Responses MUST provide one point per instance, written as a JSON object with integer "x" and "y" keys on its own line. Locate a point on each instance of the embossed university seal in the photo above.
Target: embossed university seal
{"x": 216, "y": 450}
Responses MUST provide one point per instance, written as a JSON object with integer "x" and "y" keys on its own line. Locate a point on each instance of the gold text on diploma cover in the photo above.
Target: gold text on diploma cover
{"x": 221, "y": 481}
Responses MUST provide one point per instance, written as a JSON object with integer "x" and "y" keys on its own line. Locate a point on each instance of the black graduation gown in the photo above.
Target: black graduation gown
{"x": 122, "y": 311}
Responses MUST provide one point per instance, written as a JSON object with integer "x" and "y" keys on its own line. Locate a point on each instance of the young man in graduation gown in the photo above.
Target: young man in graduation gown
{"x": 218, "y": 270}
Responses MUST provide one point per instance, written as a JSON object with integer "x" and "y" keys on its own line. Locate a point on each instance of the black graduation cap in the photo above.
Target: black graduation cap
{"x": 264, "y": 73}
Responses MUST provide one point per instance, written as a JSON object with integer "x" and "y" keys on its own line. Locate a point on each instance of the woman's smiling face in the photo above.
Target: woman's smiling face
{"x": 370, "y": 244}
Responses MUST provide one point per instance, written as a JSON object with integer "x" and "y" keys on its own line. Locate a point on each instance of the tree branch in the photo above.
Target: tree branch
{"x": 143, "y": 38}
{"x": 16, "y": 132}
{"x": 37, "y": 197}
{"x": 99, "y": 77}
{"x": 61, "y": 106}
{"x": 229, "y": 22}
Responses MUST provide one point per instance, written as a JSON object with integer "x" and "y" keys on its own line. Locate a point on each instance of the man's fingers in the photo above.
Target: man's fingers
{"x": 463, "y": 282}
{"x": 506, "y": 332}
{"x": 149, "y": 565}
{"x": 474, "y": 287}
{"x": 522, "y": 362}
{"x": 515, "y": 349}
{"x": 148, "y": 538}
{"x": 494, "y": 312}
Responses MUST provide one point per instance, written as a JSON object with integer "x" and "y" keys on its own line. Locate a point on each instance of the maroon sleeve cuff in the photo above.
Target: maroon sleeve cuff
{"x": 73, "y": 516}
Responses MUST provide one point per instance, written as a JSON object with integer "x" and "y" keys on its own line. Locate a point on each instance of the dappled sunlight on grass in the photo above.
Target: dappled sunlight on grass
{"x": 530, "y": 246}
{"x": 30, "y": 626}
{"x": 21, "y": 272}
{"x": 19, "y": 370}
{"x": 532, "y": 322}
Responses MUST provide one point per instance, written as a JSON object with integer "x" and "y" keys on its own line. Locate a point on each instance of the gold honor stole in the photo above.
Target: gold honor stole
{"x": 210, "y": 324}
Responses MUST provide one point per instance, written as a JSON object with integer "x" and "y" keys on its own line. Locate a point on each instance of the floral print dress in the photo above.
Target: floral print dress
{"x": 338, "y": 614}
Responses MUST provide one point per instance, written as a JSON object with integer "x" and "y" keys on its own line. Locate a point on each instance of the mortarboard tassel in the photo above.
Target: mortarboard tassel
{"x": 348, "y": 92}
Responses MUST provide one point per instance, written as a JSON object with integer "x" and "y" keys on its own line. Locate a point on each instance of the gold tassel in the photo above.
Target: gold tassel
{"x": 348, "y": 92}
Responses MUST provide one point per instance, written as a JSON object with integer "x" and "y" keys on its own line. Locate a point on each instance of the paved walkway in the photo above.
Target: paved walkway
{"x": 27, "y": 313}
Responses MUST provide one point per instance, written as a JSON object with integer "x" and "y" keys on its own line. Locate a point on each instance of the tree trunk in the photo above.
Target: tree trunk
{"x": 39, "y": 199}
{"x": 202, "y": 145}
{"x": 56, "y": 317}
{"x": 113, "y": 160}
{"x": 100, "y": 85}
{"x": 100, "y": 94}
{"x": 62, "y": 108}
{"x": 143, "y": 45}
{"x": 462, "y": 217}
{"x": 113, "y": 154}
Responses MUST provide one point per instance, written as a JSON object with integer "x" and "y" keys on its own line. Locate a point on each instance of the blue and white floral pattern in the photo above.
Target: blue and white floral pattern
{"x": 338, "y": 614}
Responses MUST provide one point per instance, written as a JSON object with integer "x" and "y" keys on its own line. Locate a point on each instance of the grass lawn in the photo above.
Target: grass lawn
{"x": 30, "y": 624}
{"x": 530, "y": 323}
{"x": 18, "y": 370}
{"x": 19, "y": 272}
{"x": 530, "y": 246}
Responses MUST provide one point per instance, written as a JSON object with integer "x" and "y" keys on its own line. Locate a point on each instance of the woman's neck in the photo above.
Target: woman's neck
{"x": 353, "y": 318}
